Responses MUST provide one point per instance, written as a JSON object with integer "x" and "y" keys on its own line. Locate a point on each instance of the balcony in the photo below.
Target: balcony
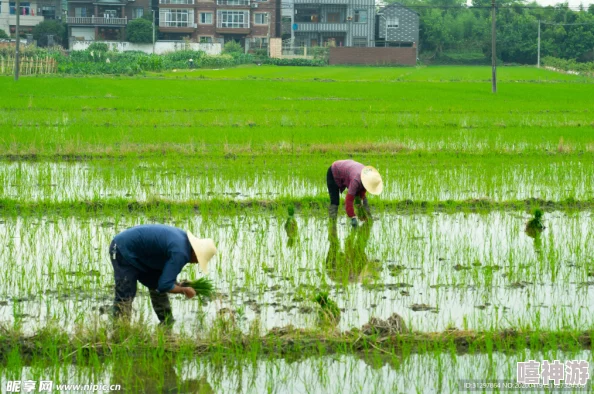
{"x": 96, "y": 21}
{"x": 234, "y": 2}
{"x": 328, "y": 2}
{"x": 25, "y": 20}
{"x": 321, "y": 27}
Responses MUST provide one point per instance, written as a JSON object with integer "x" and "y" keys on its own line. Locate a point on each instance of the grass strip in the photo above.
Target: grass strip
{"x": 310, "y": 205}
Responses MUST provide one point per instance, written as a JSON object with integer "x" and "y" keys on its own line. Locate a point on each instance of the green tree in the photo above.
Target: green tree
{"x": 140, "y": 31}
{"x": 3, "y": 34}
{"x": 45, "y": 28}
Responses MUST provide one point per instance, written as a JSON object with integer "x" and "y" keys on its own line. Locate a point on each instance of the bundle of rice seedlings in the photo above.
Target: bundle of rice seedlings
{"x": 291, "y": 224}
{"x": 328, "y": 313}
{"x": 360, "y": 210}
{"x": 204, "y": 288}
{"x": 535, "y": 225}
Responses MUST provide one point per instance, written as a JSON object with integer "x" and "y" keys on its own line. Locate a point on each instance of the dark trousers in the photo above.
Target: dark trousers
{"x": 333, "y": 190}
{"x": 126, "y": 277}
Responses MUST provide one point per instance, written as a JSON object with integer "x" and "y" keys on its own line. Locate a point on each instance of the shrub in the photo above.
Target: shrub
{"x": 232, "y": 47}
{"x": 140, "y": 31}
{"x": 98, "y": 47}
{"x": 3, "y": 35}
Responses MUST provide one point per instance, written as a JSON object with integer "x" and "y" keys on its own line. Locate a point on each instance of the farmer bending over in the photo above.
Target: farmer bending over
{"x": 357, "y": 178}
{"x": 154, "y": 255}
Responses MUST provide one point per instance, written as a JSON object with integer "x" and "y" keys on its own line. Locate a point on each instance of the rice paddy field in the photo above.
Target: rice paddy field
{"x": 225, "y": 154}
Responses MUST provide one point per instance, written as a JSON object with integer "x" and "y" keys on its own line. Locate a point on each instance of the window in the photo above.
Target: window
{"x": 360, "y": 16}
{"x": 359, "y": 42}
{"x": 176, "y": 17}
{"x": 110, "y": 14}
{"x": 205, "y": 18}
{"x": 25, "y": 8}
{"x": 80, "y": 12}
{"x": 137, "y": 12}
{"x": 259, "y": 42}
{"x": 333, "y": 17}
{"x": 48, "y": 12}
{"x": 261, "y": 19}
{"x": 392, "y": 23}
{"x": 176, "y": 1}
{"x": 233, "y": 19}
{"x": 233, "y": 2}
{"x": 205, "y": 40}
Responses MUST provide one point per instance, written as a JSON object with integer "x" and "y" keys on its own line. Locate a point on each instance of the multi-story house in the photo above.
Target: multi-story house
{"x": 103, "y": 19}
{"x": 31, "y": 13}
{"x": 220, "y": 20}
{"x": 333, "y": 22}
{"x": 397, "y": 26}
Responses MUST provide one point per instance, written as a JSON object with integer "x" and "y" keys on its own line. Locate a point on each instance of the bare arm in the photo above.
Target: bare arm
{"x": 187, "y": 291}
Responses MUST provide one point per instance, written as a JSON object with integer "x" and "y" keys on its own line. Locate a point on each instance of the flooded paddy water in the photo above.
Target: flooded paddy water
{"x": 271, "y": 178}
{"x": 438, "y": 271}
{"x": 359, "y": 373}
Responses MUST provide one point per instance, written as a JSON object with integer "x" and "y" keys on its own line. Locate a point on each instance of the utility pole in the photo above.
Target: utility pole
{"x": 18, "y": 40}
{"x": 538, "y": 51}
{"x": 493, "y": 47}
{"x": 153, "y": 30}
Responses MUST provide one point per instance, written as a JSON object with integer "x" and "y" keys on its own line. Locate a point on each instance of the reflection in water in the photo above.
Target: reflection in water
{"x": 156, "y": 376}
{"x": 352, "y": 265}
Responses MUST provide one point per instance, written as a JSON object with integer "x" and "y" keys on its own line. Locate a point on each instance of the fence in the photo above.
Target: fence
{"x": 28, "y": 65}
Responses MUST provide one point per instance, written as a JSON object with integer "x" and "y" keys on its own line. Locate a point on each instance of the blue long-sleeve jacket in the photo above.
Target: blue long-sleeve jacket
{"x": 156, "y": 247}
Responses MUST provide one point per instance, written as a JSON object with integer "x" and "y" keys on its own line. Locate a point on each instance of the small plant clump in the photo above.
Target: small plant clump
{"x": 328, "y": 313}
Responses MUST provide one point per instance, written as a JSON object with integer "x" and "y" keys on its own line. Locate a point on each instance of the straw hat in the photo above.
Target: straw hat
{"x": 371, "y": 179}
{"x": 204, "y": 248}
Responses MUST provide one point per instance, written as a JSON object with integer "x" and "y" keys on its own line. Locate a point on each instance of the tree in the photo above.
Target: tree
{"x": 45, "y": 28}
{"x": 140, "y": 30}
{"x": 3, "y": 35}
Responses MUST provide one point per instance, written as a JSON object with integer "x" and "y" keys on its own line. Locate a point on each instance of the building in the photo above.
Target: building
{"x": 333, "y": 22}
{"x": 32, "y": 13}
{"x": 251, "y": 22}
{"x": 397, "y": 26}
{"x": 103, "y": 19}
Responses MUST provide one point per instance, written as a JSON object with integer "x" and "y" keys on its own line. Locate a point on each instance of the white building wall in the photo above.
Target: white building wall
{"x": 88, "y": 33}
{"x": 161, "y": 47}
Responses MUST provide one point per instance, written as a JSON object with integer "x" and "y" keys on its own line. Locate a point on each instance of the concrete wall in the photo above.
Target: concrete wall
{"x": 374, "y": 56}
{"x": 276, "y": 48}
{"x": 161, "y": 47}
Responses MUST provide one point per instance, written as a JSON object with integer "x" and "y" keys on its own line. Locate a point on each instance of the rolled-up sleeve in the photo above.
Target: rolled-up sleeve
{"x": 172, "y": 268}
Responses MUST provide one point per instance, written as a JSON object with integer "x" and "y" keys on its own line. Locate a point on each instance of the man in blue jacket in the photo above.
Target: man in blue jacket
{"x": 154, "y": 254}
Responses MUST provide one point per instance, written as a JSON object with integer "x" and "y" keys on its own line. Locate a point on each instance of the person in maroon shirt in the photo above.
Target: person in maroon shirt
{"x": 358, "y": 179}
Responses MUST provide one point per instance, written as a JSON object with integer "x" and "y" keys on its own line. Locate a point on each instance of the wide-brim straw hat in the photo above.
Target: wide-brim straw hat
{"x": 372, "y": 180}
{"x": 204, "y": 248}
